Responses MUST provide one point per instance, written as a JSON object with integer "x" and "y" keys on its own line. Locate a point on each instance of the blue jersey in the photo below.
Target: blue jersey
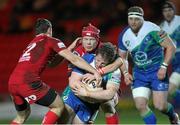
{"x": 145, "y": 48}
{"x": 173, "y": 29}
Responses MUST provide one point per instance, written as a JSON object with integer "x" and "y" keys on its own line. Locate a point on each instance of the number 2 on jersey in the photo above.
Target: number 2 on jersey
{"x": 26, "y": 55}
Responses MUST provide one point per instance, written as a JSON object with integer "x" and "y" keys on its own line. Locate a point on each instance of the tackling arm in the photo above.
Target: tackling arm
{"x": 79, "y": 62}
{"x": 113, "y": 66}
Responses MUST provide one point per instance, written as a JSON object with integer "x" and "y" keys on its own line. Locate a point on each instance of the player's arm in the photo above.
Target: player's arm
{"x": 105, "y": 94}
{"x": 111, "y": 67}
{"x": 124, "y": 68}
{"x": 74, "y": 44}
{"x": 98, "y": 94}
{"x": 170, "y": 49}
{"x": 168, "y": 45}
{"x": 79, "y": 62}
{"x": 56, "y": 60}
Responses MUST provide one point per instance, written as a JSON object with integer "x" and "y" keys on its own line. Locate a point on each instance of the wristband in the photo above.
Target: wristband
{"x": 164, "y": 64}
{"x": 125, "y": 73}
{"x": 164, "y": 67}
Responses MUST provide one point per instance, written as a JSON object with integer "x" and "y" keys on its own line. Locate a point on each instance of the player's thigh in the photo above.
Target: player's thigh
{"x": 141, "y": 92}
{"x": 141, "y": 96}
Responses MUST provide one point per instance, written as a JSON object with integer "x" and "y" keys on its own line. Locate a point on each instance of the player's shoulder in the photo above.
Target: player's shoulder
{"x": 124, "y": 34}
{"x": 88, "y": 57}
{"x": 79, "y": 51}
{"x": 177, "y": 18}
{"x": 124, "y": 31}
{"x": 151, "y": 26}
{"x": 117, "y": 71}
{"x": 53, "y": 39}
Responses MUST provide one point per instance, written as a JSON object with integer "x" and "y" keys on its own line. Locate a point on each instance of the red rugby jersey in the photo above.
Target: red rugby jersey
{"x": 34, "y": 59}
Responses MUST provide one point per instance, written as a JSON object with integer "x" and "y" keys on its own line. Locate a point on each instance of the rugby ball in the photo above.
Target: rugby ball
{"x": 91, "y": 86}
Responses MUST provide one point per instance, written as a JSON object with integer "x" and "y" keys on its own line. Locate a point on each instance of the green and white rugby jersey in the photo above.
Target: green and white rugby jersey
{"x": 145, "y": 48}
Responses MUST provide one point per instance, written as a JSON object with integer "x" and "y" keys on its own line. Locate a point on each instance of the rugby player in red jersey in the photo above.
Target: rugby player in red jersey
{"x": 25, "y": 85}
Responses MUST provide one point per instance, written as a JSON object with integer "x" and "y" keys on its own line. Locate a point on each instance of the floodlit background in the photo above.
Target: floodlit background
{"x": 17, "y": 18}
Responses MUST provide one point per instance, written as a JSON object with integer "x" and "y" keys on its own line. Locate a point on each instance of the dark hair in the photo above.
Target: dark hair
{"x": 136, "y": 9}
{"x": 108, "y": 51}
{"x": 42, "y": 25}
{"x": 168, "y": 4}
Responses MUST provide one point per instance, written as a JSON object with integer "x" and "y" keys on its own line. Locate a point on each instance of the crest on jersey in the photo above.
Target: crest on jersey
{"x": 127, "y": 43}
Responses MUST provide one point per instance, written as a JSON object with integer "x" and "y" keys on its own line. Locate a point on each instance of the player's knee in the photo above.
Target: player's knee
{"x": 58, "y": 105}
{"x": 160, "y": 106}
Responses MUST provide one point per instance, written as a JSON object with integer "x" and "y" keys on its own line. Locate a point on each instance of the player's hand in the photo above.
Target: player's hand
{"x": 98, "y": 78}
{"x": 75, "y": 43}
{"x": 161, "y": 73}
{"x": 87, "y": 78}
{"x": 81, "y": 91}
{"x": 128, "y": 79}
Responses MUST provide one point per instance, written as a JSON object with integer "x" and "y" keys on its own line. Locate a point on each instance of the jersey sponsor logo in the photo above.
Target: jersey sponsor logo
{"x": 61, "y": 45}
{"x": 141, "y": 58}
{"x": 27, "y": 55}
{"x": 30, "y": 98}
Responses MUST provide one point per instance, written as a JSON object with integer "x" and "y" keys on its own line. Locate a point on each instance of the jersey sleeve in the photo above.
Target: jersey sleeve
{"x": 114, "y": 77}
{"x": 120, "y": 41}
{"x": 56, "y": 44}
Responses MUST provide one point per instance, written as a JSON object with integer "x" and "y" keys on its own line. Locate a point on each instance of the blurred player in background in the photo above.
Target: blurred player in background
{"x": 171, "y": 25}
{"x": 145, "y": 42}
{"x": 78, "y": 111}
{"x": 25, "y": 85}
